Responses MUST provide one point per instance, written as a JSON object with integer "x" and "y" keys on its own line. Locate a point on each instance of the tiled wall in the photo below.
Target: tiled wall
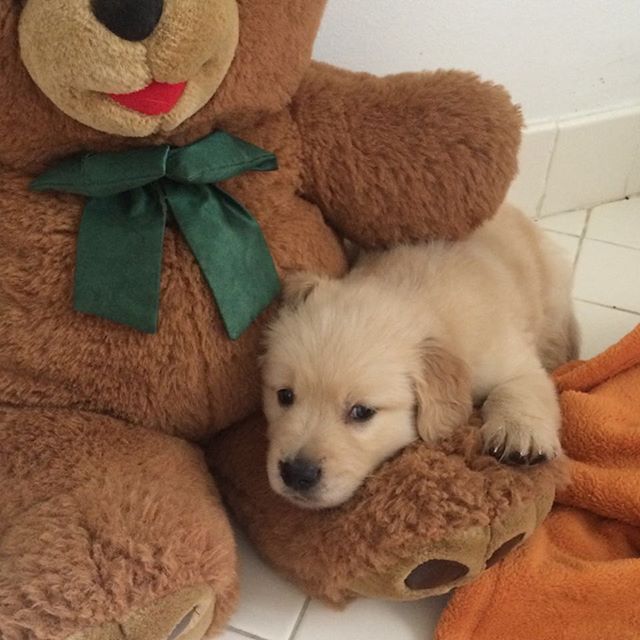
{"x": 578, "y": 163}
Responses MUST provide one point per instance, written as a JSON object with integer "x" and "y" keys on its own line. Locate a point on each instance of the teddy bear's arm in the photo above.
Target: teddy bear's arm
{"x": 406, "y": 157}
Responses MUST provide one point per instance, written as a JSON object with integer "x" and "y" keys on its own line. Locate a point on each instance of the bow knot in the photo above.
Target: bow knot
{"x": 131, "y": 193}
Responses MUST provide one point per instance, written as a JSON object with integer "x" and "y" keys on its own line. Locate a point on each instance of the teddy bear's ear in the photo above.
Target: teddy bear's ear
{"x": 299, "y": 285}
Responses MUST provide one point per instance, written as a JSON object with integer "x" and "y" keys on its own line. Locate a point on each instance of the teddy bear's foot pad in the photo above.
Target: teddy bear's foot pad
{"x": 184, "y": 615}
{"x": 435, "y": 574}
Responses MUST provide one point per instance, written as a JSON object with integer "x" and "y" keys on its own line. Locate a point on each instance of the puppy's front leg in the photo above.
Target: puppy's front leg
{"x": 522, "y": 419}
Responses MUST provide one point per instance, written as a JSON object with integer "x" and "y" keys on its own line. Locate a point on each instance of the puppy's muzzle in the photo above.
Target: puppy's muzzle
{"x": 300, "y": 474}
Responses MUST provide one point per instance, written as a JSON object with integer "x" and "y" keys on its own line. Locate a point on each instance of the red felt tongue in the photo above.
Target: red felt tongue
{"x": 156, "y": 99}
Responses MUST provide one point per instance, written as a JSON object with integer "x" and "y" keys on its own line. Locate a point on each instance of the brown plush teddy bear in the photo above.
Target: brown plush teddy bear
{"x": 162, "y": 165}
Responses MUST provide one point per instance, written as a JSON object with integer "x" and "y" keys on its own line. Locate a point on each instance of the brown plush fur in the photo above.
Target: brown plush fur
{"x": 406, "y": 157}
{"x": 101, "y": 511}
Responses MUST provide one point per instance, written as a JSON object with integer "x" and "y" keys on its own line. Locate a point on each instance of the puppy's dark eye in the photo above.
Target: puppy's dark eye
{"x": 360, "y": 413}
{"x": 286, "y": 397}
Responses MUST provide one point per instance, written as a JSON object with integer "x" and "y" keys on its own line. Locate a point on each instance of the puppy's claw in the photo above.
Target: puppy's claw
{"x": 539, "y": 458}
{"x": 528, "y": 458}
{"x": 497, "y": 452}
{"x": 518, "y": 458}
{"x": 518, "y": 445}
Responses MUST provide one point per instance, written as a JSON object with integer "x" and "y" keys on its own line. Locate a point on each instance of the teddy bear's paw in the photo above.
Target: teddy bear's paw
{"x": 184, "y": 615}
{"x": 441, "y": 566}
{"x": 429, "y": 520}
{"x": 434, "y": 569}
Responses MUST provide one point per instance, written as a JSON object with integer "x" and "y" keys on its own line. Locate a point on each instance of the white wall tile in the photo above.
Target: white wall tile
{"x": 609, "y": 275}
{"x": 617, "y": 222}
{"x": 571, "y": 222}
{"x": 373, "y": 620}
{"x": 269, "y": 605}
{"x": 535, "y": 155}
{"x": 602, "y": 327}
{"x": 592, "y": 160}
{"x": 633, "y": 183}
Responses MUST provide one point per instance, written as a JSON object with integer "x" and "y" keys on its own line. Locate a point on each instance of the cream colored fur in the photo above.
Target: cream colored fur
{"x": 419, "y": 333}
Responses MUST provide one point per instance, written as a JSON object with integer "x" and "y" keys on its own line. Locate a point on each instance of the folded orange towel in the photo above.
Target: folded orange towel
{"x": 578, "y": 577}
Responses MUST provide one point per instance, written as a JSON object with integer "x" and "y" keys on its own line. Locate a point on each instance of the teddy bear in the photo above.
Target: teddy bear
{"x": 164, "y": 164}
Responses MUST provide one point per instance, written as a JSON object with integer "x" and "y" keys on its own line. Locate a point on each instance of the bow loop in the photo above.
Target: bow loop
{"x": 120, "y": 242}
{"x": 100, "y": 175}
{"x": 216, "y": 158}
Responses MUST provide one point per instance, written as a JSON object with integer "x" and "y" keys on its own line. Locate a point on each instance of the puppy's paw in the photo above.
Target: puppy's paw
{"x": 521, "y": 443}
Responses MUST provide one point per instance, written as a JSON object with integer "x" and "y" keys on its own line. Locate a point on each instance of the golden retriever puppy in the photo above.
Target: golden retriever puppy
{"x": 405, "y": 345}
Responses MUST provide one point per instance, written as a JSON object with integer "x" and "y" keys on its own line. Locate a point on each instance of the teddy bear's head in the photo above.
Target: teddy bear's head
{"x": 76, "y": 73}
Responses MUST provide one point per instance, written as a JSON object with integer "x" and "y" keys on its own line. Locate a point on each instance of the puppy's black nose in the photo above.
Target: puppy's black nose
{"x": 132, "y": 20}
{"x": 300, "y": 474}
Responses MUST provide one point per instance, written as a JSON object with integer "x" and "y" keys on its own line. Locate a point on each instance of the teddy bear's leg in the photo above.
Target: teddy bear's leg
{"x": 108, "y": 532}
{"x": 427, "y": 521}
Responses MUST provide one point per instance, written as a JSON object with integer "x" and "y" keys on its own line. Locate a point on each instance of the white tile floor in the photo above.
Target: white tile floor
{"x": 604, "y": 244}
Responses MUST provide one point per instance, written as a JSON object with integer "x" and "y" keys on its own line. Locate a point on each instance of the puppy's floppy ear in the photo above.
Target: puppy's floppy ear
{"x": 298, "y": 286}
{"x": 443, "y": 392}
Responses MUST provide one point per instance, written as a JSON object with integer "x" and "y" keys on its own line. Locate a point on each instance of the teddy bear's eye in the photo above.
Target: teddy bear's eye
{"x": 286, "y": 397}
{"x": 361, "y": 413}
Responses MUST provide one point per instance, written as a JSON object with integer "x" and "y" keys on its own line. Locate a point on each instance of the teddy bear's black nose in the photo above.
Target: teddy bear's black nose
{"x": 132, "y": 20}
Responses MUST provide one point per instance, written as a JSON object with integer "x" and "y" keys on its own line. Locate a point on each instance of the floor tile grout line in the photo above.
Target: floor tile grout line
{"x": 556, "y": 214}
{"x": 613, "y": 244}
{"x": 301, "y": 615}
{"x": 608, "y": 306}
{"x": 562, "y": 233}
{"x": 583, "y": 235}
{"x": 539, "y": 216}
{"x": 244, "y": 634}
{"x": 547, "y": 176}
{"x": 579, "y": 236}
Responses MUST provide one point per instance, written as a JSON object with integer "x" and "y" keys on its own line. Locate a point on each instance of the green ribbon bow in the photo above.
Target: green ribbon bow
{"x": 119, "y": 256}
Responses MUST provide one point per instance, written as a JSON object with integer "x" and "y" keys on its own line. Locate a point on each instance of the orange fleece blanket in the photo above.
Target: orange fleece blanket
{"x": 578, "y": 577}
